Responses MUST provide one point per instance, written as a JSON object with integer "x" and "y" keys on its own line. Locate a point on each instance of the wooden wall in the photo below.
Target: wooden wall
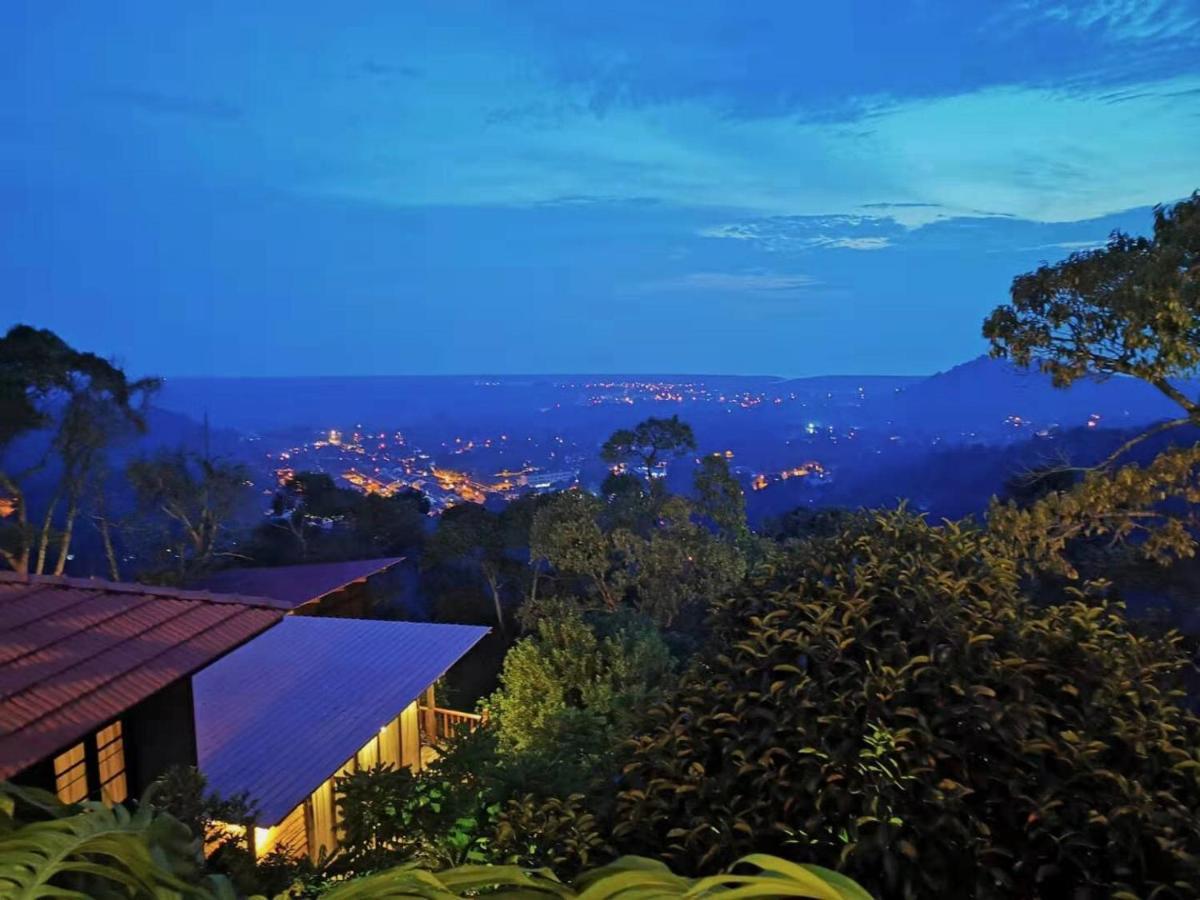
{"x": 397, "y": 743}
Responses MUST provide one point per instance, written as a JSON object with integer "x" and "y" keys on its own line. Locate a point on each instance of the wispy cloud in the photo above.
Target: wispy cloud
{"x": 902, "y": 206}
{"x": 160, "y": 104}
{"x": 862, "y": 243}
{"x": 732, "y": 283}
{"x": 1069, "y": 246}
{"x": 1030, "y": 153}
{"x": 798, "y": 233}
{"x": 1121, "y": 20}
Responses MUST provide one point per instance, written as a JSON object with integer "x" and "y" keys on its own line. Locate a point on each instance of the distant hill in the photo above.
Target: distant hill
{"x": 982, "y": 394}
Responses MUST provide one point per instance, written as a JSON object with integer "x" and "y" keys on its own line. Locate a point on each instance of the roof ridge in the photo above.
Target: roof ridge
{"x": 133, "y": 587}
{"x": 113, "y": 677}
{"x": 390, "y": 560}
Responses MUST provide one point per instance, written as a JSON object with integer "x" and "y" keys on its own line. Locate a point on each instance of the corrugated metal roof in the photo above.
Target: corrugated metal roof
{"x": 278, "y": 716}
{"x": 76, "y": 653}
{"x": 295, "y": 585}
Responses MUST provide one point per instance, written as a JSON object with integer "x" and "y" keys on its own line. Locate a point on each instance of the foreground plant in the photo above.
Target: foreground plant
{"x": 628, "y": 878}
{"x": 93, "y": 851}
{"x": 89, "y": 850}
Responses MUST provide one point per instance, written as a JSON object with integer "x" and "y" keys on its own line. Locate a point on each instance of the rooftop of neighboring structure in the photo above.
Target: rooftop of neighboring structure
{"x": 296, "y": 585}
{"x": 278, "y": 716}
{"x": 76, "y": 653}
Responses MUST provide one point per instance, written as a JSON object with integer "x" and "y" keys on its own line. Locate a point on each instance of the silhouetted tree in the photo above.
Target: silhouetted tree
{"x": 720, "y": 497}
{"x": 649, "y": 443}
{"x": 187, "y": 504}
{"x": 84, "y": 402}
{"x": 1131, "y": 308}
{"x": 469, "y": 534}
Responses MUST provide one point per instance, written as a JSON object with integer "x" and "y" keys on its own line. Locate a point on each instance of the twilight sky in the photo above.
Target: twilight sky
{"x": 790, "y": 188}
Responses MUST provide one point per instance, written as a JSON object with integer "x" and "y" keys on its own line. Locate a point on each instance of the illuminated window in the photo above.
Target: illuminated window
{"x": 110, "y": 755}
{"x": 70, "y": 775}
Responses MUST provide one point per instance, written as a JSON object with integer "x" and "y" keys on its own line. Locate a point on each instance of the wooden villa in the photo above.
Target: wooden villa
{"x": 96, "y": 679}
{"x": 105, "y": 686}
{"x": 314, "y": 699}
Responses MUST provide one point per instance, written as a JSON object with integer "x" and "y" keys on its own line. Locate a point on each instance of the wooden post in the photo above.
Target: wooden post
{"x": 430, "y": 716}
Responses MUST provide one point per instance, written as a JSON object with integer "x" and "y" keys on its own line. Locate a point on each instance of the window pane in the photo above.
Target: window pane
{"x": 110, "y": 752}
{"x": 70, "y": 775}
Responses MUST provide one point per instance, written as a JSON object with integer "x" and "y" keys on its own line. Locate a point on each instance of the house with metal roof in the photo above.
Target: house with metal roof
{"x": 328, "y": 588}
{"x": 105, "y": 686}
{"x": 95, "y": 678}
{"x": 313, "y": 699}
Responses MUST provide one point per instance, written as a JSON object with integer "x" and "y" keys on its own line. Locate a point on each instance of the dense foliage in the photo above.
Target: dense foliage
{"x": 639, "y": 549}
{"x": 182, "y": 793}
{"x": 89, "y": 850}
{"x": 1131, "y": 308}
{"x": 887, "y": 701}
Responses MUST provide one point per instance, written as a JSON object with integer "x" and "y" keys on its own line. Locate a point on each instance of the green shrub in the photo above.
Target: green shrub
{"x": 562, "y": 835}
{"x": 885, "y": 701}
{"x": 570, "y": 691}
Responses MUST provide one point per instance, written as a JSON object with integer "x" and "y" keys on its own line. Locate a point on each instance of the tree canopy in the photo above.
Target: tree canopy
{"x": 1129, "y": 308}
{"x": 84, "y": 402}
{"x": 649, "y": 443}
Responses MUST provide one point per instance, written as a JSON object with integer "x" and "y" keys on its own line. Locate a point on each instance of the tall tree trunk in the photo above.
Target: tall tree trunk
{"x": 533, "y": 587}
{"x": 605, "y": 593}
{"x": 494, "y": 585}
{"x": 114, "y": 570}
{"x": 43, "y": 547}
{"x": 20, "y": 560}
{"x": 64, "y": 544}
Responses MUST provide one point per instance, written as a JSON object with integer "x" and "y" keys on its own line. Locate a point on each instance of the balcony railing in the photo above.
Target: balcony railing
{"x": 445, "y": 723}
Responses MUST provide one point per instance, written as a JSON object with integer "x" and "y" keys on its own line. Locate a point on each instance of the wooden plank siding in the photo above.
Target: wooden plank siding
{"x": 311, "y": 828}
{"x": 289, "y": 837}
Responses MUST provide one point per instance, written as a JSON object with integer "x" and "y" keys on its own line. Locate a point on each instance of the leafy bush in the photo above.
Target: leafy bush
{"x": 887, "y": 702}
{"x": 562, "y": 835}
{"x": 375, "y": 809}
{"x": 443, "y": 816}
{"x": 569, "y": 691}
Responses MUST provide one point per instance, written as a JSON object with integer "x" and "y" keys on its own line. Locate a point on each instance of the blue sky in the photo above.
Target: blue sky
{"x": 549, "y": 186}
